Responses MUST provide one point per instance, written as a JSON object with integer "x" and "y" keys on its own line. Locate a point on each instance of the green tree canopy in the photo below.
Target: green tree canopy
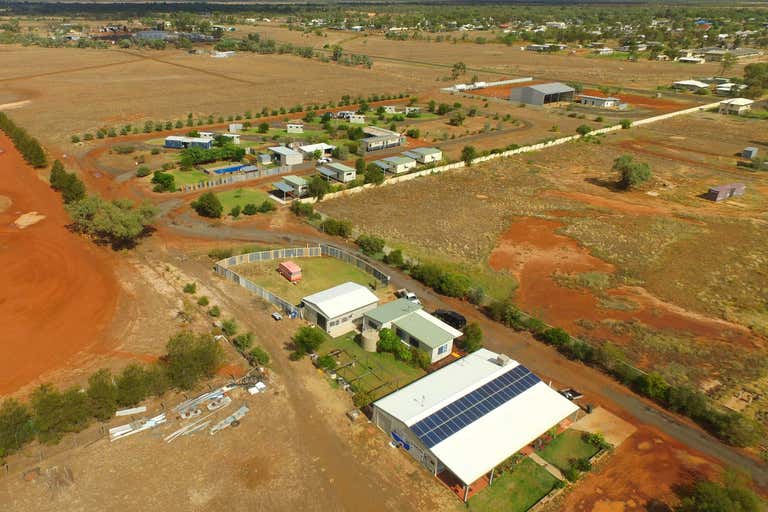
{"x": 118, "y": 222}
{"x": 208, "y": 205}
{"x": 631, "y": 173}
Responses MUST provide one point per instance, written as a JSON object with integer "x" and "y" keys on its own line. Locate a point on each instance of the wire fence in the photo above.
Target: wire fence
{"x": 222, "y": 267}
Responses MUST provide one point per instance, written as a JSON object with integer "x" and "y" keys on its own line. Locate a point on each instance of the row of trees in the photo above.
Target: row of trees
{"x": 193, "y": 156}
{"x": 27, "y": 145}
{"x": 118, "y": 222}
{"x": 51, "y": 413}
{"x": 71, "y": 187}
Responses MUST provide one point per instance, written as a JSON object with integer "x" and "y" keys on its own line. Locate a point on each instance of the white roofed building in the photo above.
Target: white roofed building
{"x": 471, "y": 415}
{"x": 340, "y": 309}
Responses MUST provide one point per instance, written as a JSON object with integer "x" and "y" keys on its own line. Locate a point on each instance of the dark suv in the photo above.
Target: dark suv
{"x": 452, "y": 318}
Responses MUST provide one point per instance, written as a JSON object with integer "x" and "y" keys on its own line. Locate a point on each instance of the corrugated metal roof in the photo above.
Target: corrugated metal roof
{"x": 296, "y": 181}
{"x": 341, "y": 299}
{"x": 398, "y": 160}
{"x": 282, "y": 150}
{"x": 392, "y": 310}
{"x": 429, "y": 330}
{"x": 283, "y": 187}
{"x": 552, "y": 88}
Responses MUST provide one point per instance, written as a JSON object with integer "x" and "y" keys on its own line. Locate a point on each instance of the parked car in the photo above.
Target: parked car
{"x": 571, "y": 394}
{"x": 324, "y": 160}
{"x": 452, "y": 318}
{"x": 402, "y": 293}
{"x": 277, "y": 316}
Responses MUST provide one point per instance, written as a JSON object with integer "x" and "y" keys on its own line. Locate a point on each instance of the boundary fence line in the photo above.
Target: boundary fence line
{"x": 222, "y": 267}
{"x": 508, "y": 153}
{"x": 234, "y": 178}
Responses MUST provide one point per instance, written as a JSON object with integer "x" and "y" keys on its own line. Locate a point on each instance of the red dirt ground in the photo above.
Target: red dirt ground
{"x": 640, "y": 475}
{"x": 660, "y": 104}
{"x": 57, "y": 291}
{"x": 533, "y": 251}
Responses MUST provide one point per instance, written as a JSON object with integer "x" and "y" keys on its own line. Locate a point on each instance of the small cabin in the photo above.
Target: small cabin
{"x": 290, "y": 270}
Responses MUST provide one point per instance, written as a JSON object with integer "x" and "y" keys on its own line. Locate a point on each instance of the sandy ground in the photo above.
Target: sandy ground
{"x": 57, "y": 290}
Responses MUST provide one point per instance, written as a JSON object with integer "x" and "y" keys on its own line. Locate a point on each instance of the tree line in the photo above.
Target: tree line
{"x": 50, "y": 413}
{"x": 27, "y": 145}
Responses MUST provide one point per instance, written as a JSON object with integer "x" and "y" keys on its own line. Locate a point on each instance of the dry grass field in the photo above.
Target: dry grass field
{"x": 677, "y": 280}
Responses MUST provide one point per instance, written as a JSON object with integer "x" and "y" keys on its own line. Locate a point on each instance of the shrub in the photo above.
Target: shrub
{"x": 342, "y": 228}
{"x": 190, "y": 358}
{"x": 208, "y": 205}
{"x": 202, "y": 301}
{"x": 394, "y": 258}
{"x": 163, "y": 182}
{"x": 267, "y": 206}
{"x": 102, "y": 394}
{"x": 75, "y": 139}
{"x": 229, "y": 327}
{"x": 326, "y": 362}
{"x": 370, "y": 245}
{"x": 235, "y": 211}
{"x": 582, "y": 465}
{"x": 250, "y": 209}
{"x": 214, "y": 311}
{"x": 117, "y": 222}
{"x": 583, "y": 129}
{"x": 571, "y": 474}
{"x": 259, "y": 356}
{"x": 143, "y": 171}
{"x": 304, "y": 210}
{"x": 473, "y": 338}
{"x": 556, "y": 336}
{"x": 15, "y": 426}
{"x": 243, "y": 341}
{"x": 468, "y": 154}
{"x": 631, "y": 173}
{"x": 190, "y": 288}
{"x": 625, "y": 124}
{"x": 388, "y": 340}
{"x": 307, "y": 340}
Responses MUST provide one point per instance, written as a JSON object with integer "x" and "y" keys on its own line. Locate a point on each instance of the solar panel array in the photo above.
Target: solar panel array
{"x": 474, "y": 405}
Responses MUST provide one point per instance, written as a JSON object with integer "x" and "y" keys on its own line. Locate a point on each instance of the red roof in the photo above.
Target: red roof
{"x": 291, "y": 267}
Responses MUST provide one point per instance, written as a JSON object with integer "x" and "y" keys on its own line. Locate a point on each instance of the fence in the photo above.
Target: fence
{"x": 508, "y": 153}
{"x": 235, "y": 178}
{"x": 221, "y": 267}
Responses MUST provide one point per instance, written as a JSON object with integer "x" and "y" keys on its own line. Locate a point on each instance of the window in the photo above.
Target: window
{"x": 442, "y": 349}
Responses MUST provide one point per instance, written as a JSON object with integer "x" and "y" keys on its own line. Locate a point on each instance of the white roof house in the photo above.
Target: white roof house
{"x": 472, "y": 414}
{"x": 338, "y": 309}
{"x": 309, "y": 149}
{"x": 690, "y": 84}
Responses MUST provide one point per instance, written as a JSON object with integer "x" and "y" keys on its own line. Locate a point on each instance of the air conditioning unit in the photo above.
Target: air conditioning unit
{"x": 502, "y": 360}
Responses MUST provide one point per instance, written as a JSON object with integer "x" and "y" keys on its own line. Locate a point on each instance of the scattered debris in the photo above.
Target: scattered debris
{"x": 257, "y": 388}
{"x": 230, "y": 420}
{"x": 219, "y": 403}
{"x": 28, "y": 219}
{"x": 131, "y": 412}
{"x": 136, "y": 427}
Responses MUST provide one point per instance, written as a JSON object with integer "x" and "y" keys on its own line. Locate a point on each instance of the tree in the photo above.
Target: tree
{"x": 259, "y": 356}
{"x": 631, "y": 173}
{"x": 229, "y": 327}
{"x": 706, "y": 496}
{"x": 250, "y": 209}
{"x": 468, "y": 154}
{"x": 72, "y": 188}
{"x": 370, "y": 245}
{"x": 457, "y": 118}
{"x": 388, "y": 340}
{"x": 243, "y": 341}
{"x": 374, "y": 174}
{"x": 307, "y": 340}
{"x": 473, "y": 337}
{"x": 342, "y": 228}
{"x": 394, "y": 258}
{"x": 727, "y": 61}
{"x": 117, "y": 222}
{"x": 235, "y": 211}
{"x": 653, "y": 386}
{"x": 556, "y": 336}
{"x": 102, "y": 394}
{"x": 15, "y": 426}
{"x": 318, "y": 187}
{"x": 458, "y": 69}
{"x": 58, "y": 175}
{"x": 583, "y": 129}
{"x": 208, "y": 205}
{"x": 164, "y": 182}
{"x": 337, "y": 52}
{"x": 132, "y": 386}
{"x": 191, "y": 357}
{"x": 263, "y": 127}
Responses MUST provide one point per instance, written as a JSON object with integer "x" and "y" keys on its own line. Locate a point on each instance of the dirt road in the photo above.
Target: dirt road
{"x": 57, "y": 290}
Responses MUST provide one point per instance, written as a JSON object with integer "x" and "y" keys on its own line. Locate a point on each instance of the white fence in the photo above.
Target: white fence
{"x": 508, "y": 153}
{"x": 234, "y": 178}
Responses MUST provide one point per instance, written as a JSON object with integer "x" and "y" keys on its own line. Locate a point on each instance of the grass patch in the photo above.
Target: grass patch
{"x": 596, "y": 281}
{"x": 241, "y": 196}
{"x": 189, "y": 177}
{"x": 567, "y": 447}
{"x": 384, "y": 367}
{"x": 616, "y": 303}
{"x": 516, "y": 490}
{"x": 318, "y": 274}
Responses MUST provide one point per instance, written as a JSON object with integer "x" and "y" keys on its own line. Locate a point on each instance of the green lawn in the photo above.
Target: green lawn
{"x": 384, "y": 366}
{"x": 189, "y": 177}
{"x": 318, "y": 274}
{"x": 514, "y": 491}
{"x": 241, "y": 196}
{"x": 565, "y": 447}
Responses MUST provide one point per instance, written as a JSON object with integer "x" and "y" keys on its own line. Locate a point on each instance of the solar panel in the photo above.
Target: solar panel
{"x": 453, "y": 417}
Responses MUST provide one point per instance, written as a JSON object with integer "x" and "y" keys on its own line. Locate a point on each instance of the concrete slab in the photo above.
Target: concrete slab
{"x": 615, "y": 429}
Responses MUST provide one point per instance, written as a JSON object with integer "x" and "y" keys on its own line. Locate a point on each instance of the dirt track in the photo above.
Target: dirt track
{"x": 57, "y": 290}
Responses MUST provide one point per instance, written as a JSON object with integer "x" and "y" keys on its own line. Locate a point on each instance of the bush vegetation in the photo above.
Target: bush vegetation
{"x": 27, "y": 145}
{"x": 118, "y": 222}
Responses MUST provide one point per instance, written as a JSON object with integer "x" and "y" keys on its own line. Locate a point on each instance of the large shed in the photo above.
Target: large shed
{"x": 339, "y": 309}
{"x": 541, "y": 94}
{"x": 471, "y": 415}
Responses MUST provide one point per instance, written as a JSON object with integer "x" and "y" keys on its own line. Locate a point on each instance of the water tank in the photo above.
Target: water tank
{"x": 370, "y": 339}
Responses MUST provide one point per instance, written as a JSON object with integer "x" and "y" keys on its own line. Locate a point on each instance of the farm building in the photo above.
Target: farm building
{"x": 339, "y": 309}
{"x": 717, "y": 54}
{"x": 414, "y": 326}
{"x": 541, "y": 94}
{"x": 691, "y": 60}
{"x": 412, "y": 110}
{"x": 545, "y": 47}
{"x": 379, "y": 138}
{"x": 286, "y": 156}
{"x": 603, "y": 51}
{"x": 235, "y": 127}
{"x": 749, "y": 152}
{"x": 735, "y": 106}
{"x": 389, "y": 109}
{"x": 728, "y": 88}
{"x": 690, "y": 85}
{"x": 723, "y": 192}
{"x": 180, "y": 142}
{"x": 356, "y": 118}
{"x": 294, "y": 128}
{"x": 599, "y": 101}
{"x": 471, "y": 415}
{"x": 395, "y": 164}
{"x": 291, "y": 185}
{"x": 338, "y": 172}
{"x": 324, "y": 149}
{"x": 290, "y": 270}
{"x": 425, "y": 155}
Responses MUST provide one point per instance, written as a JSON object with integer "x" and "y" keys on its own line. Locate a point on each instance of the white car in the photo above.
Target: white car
{"x": 324, "y": 160}
{"x": 277, "y": 316}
